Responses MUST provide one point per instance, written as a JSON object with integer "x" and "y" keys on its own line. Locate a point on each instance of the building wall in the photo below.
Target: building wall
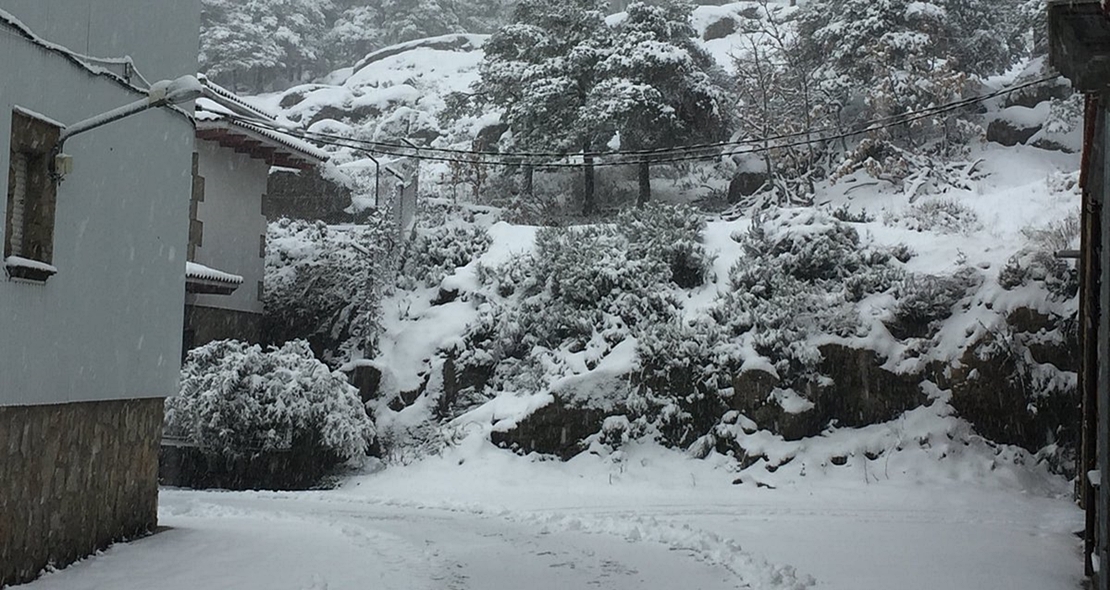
{"x": 231, "y": 212}
{"x": 161, "y": 36}
{"x": 87, "y": 356}
{"x": 108, "y": 325}
{"x": 74, "y": 478}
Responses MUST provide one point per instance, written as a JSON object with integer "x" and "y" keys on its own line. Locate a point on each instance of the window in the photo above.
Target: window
{"x": 29, "y": 223}
{"x": 262, "y": 246}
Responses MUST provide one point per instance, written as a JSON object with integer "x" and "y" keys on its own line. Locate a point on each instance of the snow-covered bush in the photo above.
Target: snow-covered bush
{"x": 436, "y": 252}
{"x": 237, "y": 400}
{"x": 844, "y": 213}
{"x": 802, "y": 272}
{"x": 671, "y": 234}
{"x": 583, "y": 288}
{"x": 1040, "y": 266}
{"x": 1061, "y": 234}
{"x": 924, "y": 300}
{"x": 946, "y": 216}
{"x": 805, "y": 244}
{"x": 902, "y": 252}
{"x": 325, "y": 284}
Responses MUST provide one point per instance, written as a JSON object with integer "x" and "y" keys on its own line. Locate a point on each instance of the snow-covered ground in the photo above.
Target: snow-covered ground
{"x": 479, "y": 517}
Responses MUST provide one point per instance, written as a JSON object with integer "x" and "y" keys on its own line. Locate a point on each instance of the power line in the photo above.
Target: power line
{"x": 667, "y": 151}
{"x": 655, "y": 156}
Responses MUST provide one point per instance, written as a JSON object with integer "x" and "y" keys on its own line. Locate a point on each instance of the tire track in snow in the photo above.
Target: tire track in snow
{"x": 702, "y": 546}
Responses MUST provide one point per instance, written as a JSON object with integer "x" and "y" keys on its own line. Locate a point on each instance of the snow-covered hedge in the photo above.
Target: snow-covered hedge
{"x": 802, "y": 273}
{"x": 325, "y": 283}
{"x": 437, "y": 251}
{"x": 584, "y": 288}
{"x": 237, "y": 400}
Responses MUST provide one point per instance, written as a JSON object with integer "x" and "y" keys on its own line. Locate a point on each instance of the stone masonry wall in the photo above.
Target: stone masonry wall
{"x": 73, "y": 479}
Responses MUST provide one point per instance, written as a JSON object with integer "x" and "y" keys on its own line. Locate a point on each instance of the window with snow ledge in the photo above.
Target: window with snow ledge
{"x": 29, "y": 223}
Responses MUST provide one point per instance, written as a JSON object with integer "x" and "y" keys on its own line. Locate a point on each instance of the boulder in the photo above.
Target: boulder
{"x": 720, "y": 28}
{"x": 555, "y": 429}
{"x": 489, "y": 136}
{"x": 745, "y": 184}
{"x": 862, "y": 392}
{"x": 1007, "y": 133}
{"x": 996, "y": 390}
{"x": 1035, "y": 95}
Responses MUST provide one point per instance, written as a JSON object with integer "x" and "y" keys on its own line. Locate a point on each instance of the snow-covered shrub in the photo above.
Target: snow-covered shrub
{"x": 1040, "y": 266}
{"x": 870, "y": 280}
{"x": 672, "y": 234}
{"x": 325, "y": 284}
{"x": 805, "y": 244}
{"x": 802, "y": 272}
{"x": 844, "y": 213}
{"x": 582, "y": 288}
{"x": 237, "y": 400}
{"x": 902, "y": 252}
{"x": 683, "y": 366}
{"x": 924, "y": 300}
{"x": 1058, "y": 235}
{"x": 436, "y": 252}
{"x": 946, "y": 216}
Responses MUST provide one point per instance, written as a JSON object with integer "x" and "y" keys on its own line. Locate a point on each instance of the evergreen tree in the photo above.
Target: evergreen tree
{"x": 658, "y": 87}
{"x": 405, "y": 20}
{"x": 251, "y": 44}
{"x": 355, "y": 32}
{"x": 886, "y": 57}
{"x": 541, "y": 70}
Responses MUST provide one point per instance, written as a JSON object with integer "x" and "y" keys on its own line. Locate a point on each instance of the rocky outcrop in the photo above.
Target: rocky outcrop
{"x": 1018, "y": 386}
{"x": 305, "y": 194}
{"x": 555, "y": 429}
{"x": 720, "y": 28}
{"x": 861, "y": 391}
{"x": 745, "y": 184}
{"x": 1008, "y": 133}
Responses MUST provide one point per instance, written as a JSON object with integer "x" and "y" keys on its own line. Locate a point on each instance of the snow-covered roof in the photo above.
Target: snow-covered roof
{"x": 223, "y": 117}
{"x": 203, "y": 279}
{"x": 231, "y": 102}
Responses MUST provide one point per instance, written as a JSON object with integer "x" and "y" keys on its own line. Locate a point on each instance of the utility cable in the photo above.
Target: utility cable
{"x": 654, "y": 156}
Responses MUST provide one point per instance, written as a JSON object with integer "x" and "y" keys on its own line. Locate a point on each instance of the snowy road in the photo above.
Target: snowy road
{"x": 479, "y": 518}
{"x": 326, "y": 541}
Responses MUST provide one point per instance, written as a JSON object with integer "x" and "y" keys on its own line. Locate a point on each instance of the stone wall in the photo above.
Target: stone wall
{"x": 205, "y": 324}
{"x": 306, "y": 195}
{"x": 73, "y": 479}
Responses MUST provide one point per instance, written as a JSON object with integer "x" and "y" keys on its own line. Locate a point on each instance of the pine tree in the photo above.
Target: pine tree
{"x": 658, "y": 87}
{"x": 355, "y": 32}
{"x": 541, "y": 69}
{"x": 251, "y": 44}
{"x": 406, "y": 20}
{"x": 886, "y": 57}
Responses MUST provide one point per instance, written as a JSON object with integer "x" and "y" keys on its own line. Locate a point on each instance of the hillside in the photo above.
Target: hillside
{"x": 934, "y": 289}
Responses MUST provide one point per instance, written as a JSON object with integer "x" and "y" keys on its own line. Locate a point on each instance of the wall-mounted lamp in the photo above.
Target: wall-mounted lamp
{"x": 161, "y": 94}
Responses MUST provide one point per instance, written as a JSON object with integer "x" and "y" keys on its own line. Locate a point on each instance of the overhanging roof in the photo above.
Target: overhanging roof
{"x": 227, "y": 119}
{"x": 202, "y": 279}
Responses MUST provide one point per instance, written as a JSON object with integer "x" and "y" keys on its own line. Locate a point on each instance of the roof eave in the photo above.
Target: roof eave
{"x": 257, "y": 145}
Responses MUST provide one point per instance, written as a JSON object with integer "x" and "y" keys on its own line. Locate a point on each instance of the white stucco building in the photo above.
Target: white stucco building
{"x": 92, "y": 284}
{"x": 237, "y": 144}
